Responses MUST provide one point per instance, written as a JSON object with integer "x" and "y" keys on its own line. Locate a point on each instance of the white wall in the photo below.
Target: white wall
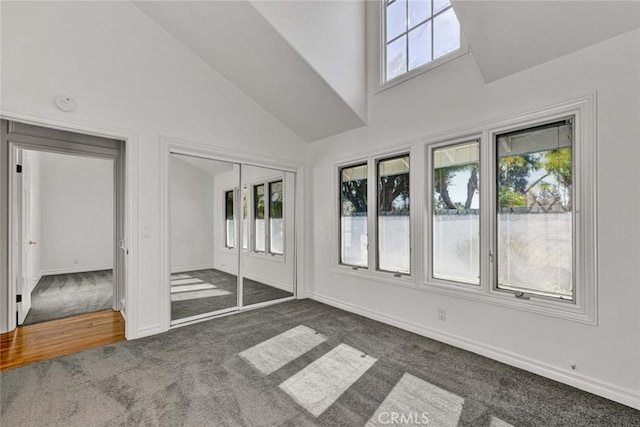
{"x": 126, "y": 72}
{"x": 76, "y": 213}
{"x": 192, "y": 217}
{"x": 330, "y": 35}
{"x": 452, "y": 97}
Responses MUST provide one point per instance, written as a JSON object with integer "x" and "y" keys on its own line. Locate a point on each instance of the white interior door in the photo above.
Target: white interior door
{"x": 24, "y": 285}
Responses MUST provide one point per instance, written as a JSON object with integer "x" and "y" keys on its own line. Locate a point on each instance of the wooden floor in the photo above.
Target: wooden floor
{"x": 33, "y": 343}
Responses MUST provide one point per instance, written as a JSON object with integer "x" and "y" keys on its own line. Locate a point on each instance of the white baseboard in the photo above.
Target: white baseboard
{"x": 269, "y": 282}
{"x": 609, "y": 391}
{"x": 35, "y": 281}
{"x": 225, "y": 269}
{"x": 77, "y": 269}
{"x": 191, "y": 268}
{"x": 147, "y": 331}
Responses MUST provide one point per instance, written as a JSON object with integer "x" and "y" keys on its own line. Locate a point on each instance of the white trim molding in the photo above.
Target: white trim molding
{"x": 170, "y": 145}
{"x": 187, "y": 269}
{"x": 268, "y": 282}
{"x": 130, "y": 245}
{"x": 384, "y": 84}
{"x": 584, "y": 306}
{"x": 609, "y": 391}
{"x": 583, "y": 309}
{"x": 371, "y": 271}
{"x": 71, "y": 270}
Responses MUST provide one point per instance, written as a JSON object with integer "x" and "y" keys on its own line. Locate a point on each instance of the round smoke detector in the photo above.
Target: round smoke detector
{"x": 65, "y": 103}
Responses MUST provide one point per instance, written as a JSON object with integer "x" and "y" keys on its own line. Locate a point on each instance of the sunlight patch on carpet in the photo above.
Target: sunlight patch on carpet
{"x": 322, "y": 382}
{"x": 414, "y": 401}
{"x": 184, "y": 296}
{"x": 188, "y": 281}
{"x": 497, "y": 422}
{"x": 189, "y": 288}
{"x": 274, "y": 353}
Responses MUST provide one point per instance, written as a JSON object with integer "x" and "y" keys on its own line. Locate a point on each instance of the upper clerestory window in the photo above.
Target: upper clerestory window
{"x": 417, "y": 35}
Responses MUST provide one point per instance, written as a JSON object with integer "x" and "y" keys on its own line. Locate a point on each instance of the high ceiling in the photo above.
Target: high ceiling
{"x": 507, "y": 37}
{"x": 240, "y": 43}
{"x": 305, "y": 61}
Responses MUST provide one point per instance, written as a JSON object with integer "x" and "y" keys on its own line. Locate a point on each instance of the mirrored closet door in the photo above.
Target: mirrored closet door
{"x": 268, "y": 243}
{"x": 204, "y": 195}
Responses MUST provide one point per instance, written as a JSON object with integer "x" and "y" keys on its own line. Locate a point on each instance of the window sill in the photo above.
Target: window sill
{"x": 540, "y": 305}
{"x": 422, "y": 69}
{"x": 378, "y": 276}
{"x": 264, "y": 256}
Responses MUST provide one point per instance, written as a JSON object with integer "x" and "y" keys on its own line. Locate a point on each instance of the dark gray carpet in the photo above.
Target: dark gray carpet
{"x": 254, "y": 292}
{"x": 194, "y": 376}
{"x": 66, "y": 295}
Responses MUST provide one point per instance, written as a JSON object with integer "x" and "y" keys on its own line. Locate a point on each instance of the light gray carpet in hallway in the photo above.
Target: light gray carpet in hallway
{"x": 66, "y": 295}
{"x": 196, "y": 376}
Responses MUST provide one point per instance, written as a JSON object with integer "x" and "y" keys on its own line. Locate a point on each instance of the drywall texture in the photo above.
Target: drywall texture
{"x": 192, "y": 217}
{"x": 126, "y": 72}
{"x": 452, "y": 97}
{"x": 76, "y": 213}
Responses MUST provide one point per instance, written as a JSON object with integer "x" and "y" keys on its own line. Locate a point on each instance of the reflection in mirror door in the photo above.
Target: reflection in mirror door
{"x": 204, "y": 236}
{"x": 268, "y": 250}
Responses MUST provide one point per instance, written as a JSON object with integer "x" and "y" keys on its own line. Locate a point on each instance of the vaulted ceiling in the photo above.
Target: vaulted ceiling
{"x": 305, "y": 61}
{"x": 242, "y": 45}
{"x": 507, "y": 37}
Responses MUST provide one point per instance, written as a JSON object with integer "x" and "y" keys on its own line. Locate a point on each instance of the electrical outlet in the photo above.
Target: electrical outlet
{"x": 75, "y": 261}
{"x": 442, "y": 314}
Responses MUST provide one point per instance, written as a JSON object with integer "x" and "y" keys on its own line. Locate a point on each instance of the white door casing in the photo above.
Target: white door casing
{"x": 25, "y": 214}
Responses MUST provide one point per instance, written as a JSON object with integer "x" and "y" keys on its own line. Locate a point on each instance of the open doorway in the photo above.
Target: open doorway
{"x": 67, "y": 219}
{"x": 64, "y": 223}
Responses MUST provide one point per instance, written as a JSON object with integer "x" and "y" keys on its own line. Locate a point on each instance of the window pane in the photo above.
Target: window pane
{"x": 397, "y": 58}
{"x": 258, "y": 214}
{"x": 229, "y": 220}
{"x": 439, "y": 5}
{"x": 456, "y": 213}
{"x": 446, "y": 33}
{"x": 535, "y": 210}
{"x": 353, "y": 215}
{"x": 245, "y": 228}
{"x": 394, "y": 228}
{"x": 419, "y": 11}
{"x": 396, "y": 19}
{"x": 420, "y": 46}
{"x": 276, "y": 221}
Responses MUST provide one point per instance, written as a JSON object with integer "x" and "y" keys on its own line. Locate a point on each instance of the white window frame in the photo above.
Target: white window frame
{"x": 428, "y": 219}
{"x": 251, "y": 242}
{"x": 583, "y": 308}
{"x": 339, "y": 235}
{"x": 382, "y": 55}
{"x": 248, "y": 234}
{"x": 254, "y": 205}
{"x": 284, "y": 222}
{"x": 371, "y": 272}
{"x": 234, "y": 190}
